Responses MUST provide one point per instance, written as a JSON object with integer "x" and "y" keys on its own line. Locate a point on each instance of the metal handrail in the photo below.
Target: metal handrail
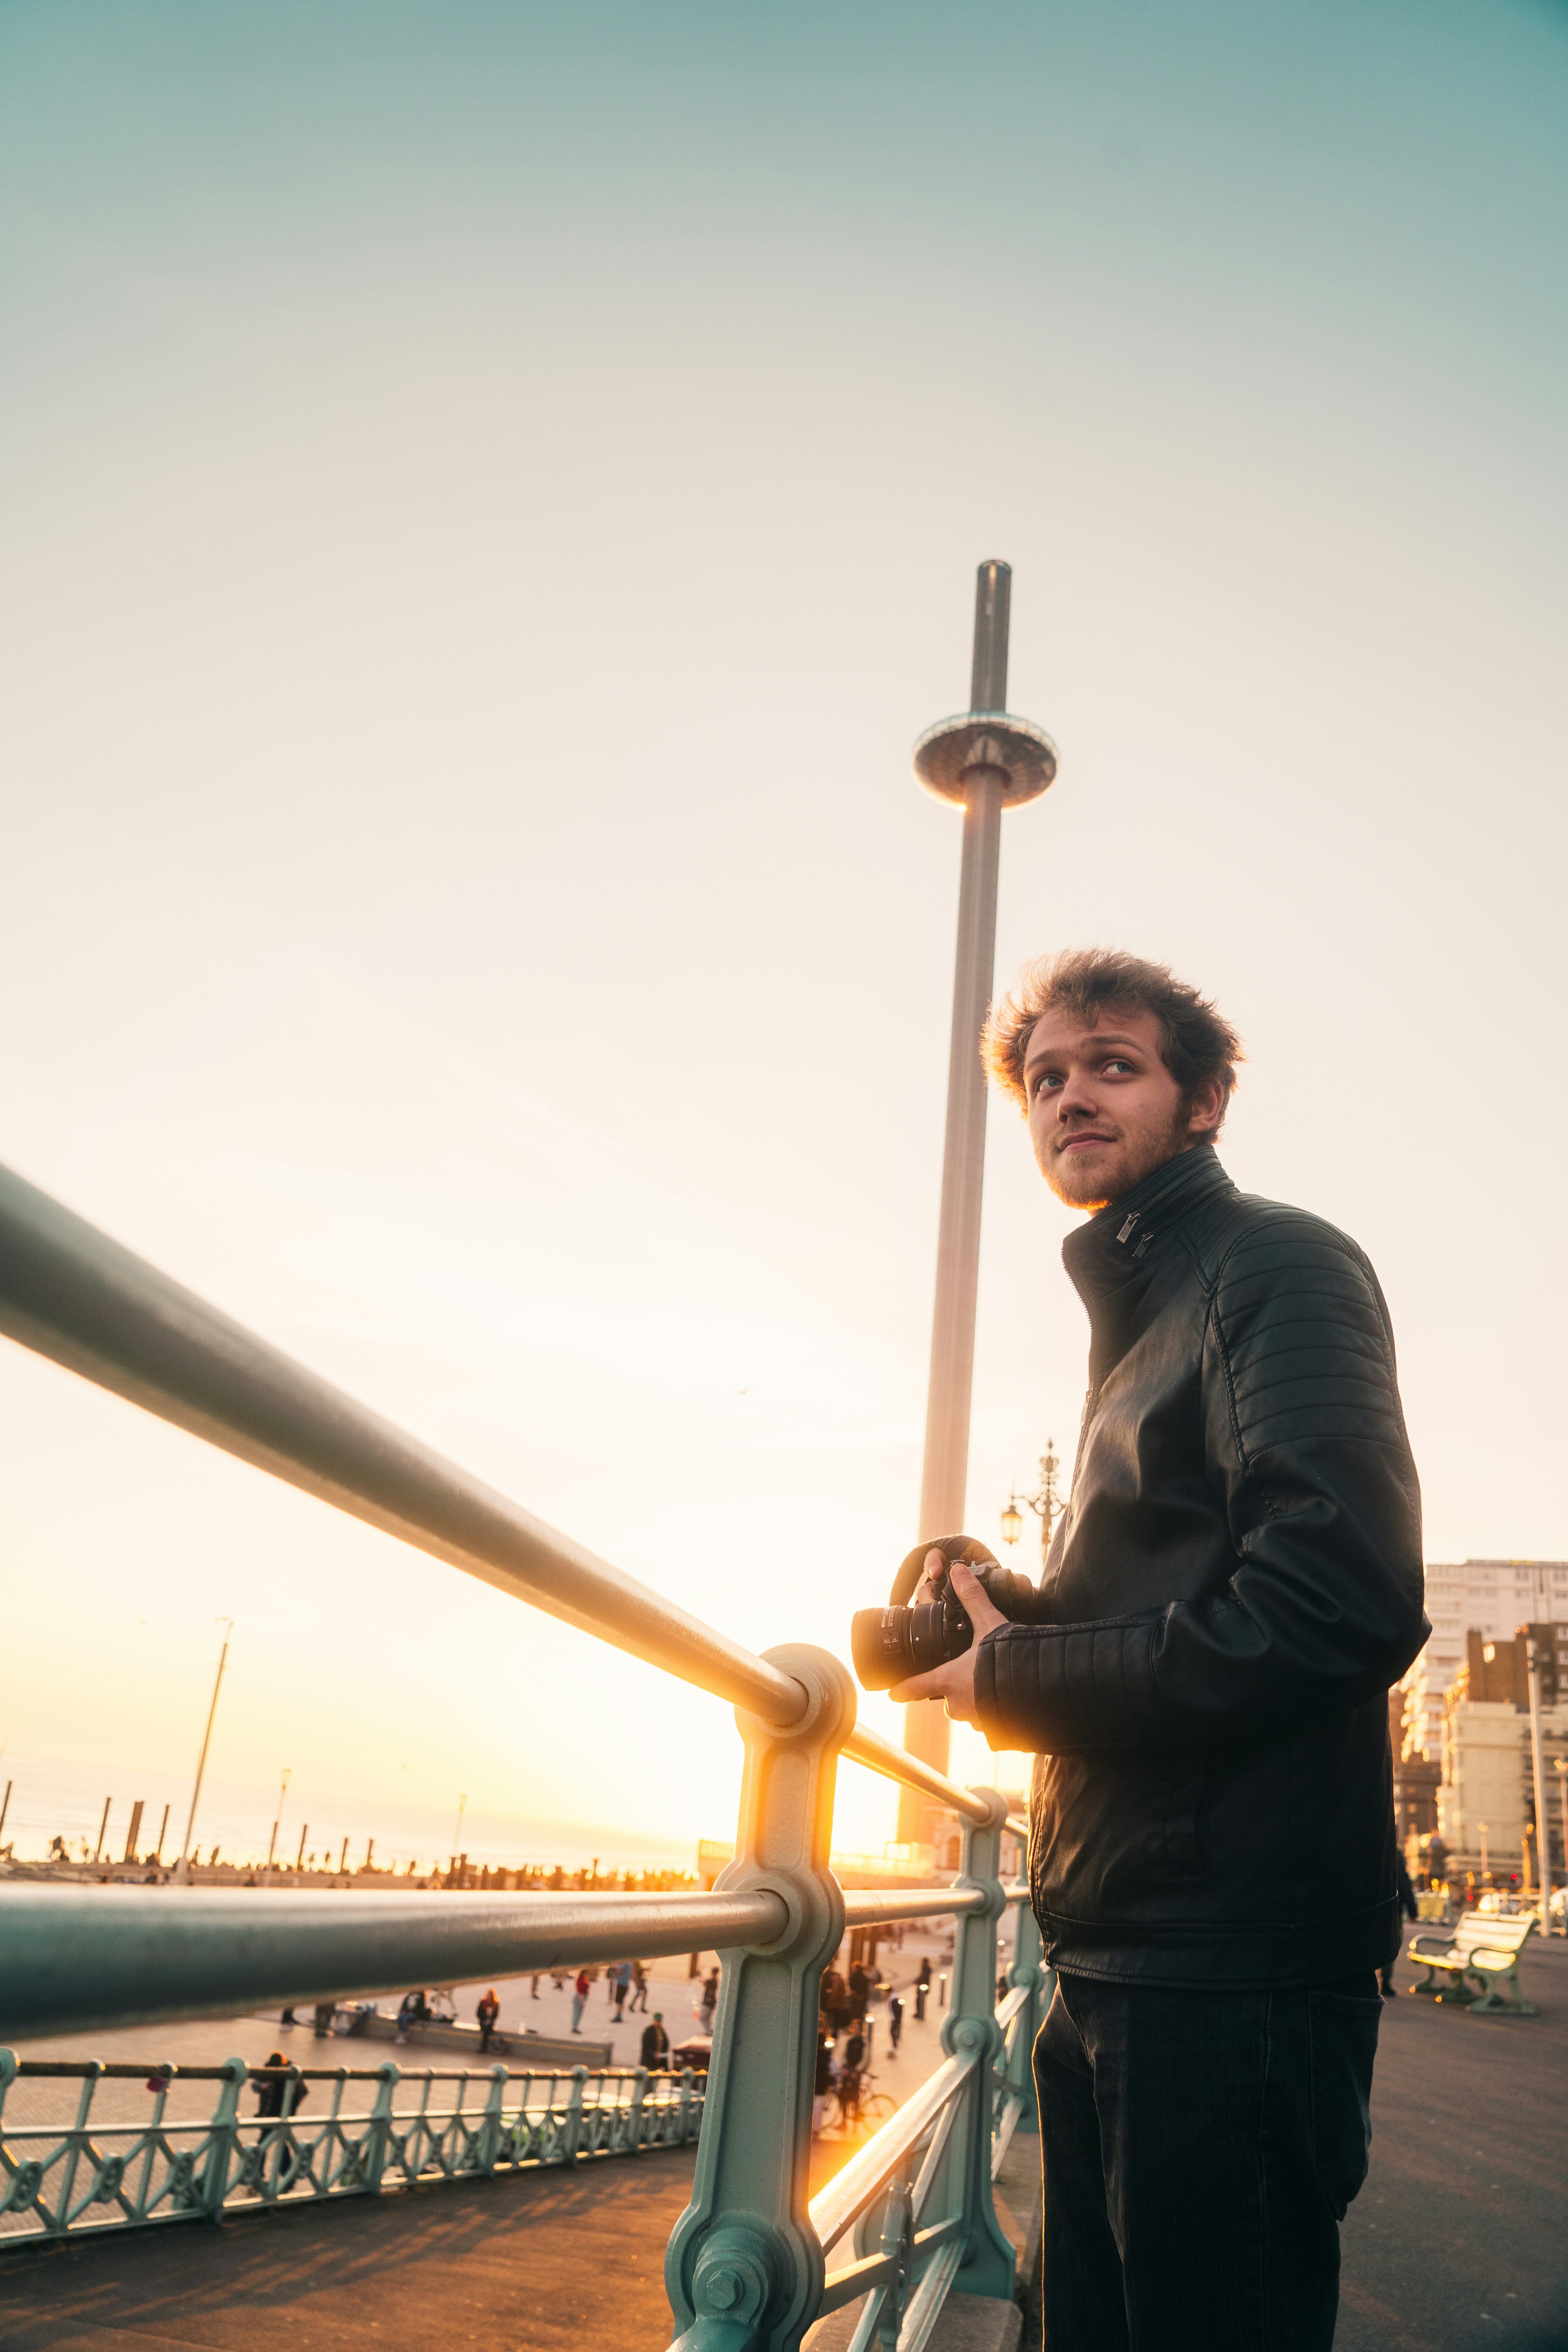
{"x": 870, "y": 2168}
{"x": 72, "y": 1962}
{"x": 72, "y": 1294}
{"x": 879, "y": 1755}
{"x": 70, "y": 1959}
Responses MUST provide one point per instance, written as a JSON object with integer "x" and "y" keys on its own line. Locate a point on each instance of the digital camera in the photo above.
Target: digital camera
{"x": 890, "y": 1644}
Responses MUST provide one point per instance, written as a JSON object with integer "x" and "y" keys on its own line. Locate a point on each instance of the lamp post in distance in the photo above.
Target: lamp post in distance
{"x": 183, "y": 1867}
{"x": 272, "y": 1842}
{"x": 1045, "y": 1502}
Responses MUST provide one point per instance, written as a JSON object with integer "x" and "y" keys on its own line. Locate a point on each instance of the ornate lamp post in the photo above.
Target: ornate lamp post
{"x": 1045, "y": 1502}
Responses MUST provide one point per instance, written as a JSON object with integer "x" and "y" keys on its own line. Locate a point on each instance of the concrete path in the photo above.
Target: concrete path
{"x": 1456, "y": 2242}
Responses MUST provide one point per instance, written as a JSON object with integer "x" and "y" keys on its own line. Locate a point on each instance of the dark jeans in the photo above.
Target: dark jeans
{"x": 1199, "y": 2151}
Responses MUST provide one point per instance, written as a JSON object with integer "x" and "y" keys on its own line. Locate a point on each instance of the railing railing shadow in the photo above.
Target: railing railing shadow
{"x": 746, "y": 2267}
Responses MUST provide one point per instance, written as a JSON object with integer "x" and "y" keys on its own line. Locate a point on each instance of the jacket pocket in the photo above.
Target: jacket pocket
{"x": 1186, "y": 1823}
{"x": 1342, "y": 2030}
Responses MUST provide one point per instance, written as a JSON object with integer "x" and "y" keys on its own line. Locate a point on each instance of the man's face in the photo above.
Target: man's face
{"x": 1104, "y": 1111}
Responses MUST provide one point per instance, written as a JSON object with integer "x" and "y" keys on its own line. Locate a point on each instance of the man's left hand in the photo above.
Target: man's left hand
{"x": 954, "y": 1681}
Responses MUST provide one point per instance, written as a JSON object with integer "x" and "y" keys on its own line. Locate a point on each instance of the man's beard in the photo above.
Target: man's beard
{"x": 1112, "y": 1176}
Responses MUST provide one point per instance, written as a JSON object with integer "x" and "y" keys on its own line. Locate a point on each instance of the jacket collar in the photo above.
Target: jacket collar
{"x": 1112, "y": 1252}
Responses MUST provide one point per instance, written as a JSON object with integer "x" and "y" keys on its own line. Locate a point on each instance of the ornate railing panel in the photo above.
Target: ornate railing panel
{"x": 102, "y": 2171}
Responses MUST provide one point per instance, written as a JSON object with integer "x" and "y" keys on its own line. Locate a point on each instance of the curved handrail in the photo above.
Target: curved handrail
{"x": 70, "y": 1293}
{"x": 879, "y": 1755}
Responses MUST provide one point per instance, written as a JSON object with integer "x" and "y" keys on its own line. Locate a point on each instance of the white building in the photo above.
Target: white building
{"x": 1494, "y": 1597}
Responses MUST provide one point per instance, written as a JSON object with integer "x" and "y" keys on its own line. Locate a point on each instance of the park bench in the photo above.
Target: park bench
{"x": 1482, "y": 1947}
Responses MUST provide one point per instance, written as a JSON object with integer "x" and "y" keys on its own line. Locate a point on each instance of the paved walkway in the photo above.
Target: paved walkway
{"x": 1456, "y": 2244}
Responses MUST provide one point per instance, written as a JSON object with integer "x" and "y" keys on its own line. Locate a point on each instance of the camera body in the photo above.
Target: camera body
{"x": 890, "y": 1644}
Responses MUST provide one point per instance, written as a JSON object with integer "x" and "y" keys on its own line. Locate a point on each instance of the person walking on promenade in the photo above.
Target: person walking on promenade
{"x": 639, "y": 1978}
{"x": 1234, "y": 1587}
{"x": 486, "y": 2012}
{"x": 1410, "y": 1909}
{"x": 710, "y": 1999}
{"x": 654, "y": 2043}
{"x": 579, "y": 1996}
{"x": 623, "y": 1986}
{"x": 895, "y": 2022}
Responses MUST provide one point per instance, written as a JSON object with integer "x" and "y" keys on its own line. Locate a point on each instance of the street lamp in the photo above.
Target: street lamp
{"x": 1045, "y": 1502}
{"x": 1482, "y": 1827}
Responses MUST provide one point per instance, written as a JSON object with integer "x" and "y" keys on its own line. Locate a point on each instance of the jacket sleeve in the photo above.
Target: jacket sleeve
{"x": 1305, "y": 1444}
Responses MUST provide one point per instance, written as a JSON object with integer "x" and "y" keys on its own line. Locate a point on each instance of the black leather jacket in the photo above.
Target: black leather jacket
{"x": 1235, "y": 1586}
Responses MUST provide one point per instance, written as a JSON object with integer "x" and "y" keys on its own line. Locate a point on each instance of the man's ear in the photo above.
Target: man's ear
{"x": 1206, "y": 1111}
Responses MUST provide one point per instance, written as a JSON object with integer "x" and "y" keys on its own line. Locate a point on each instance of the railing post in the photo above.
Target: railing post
{"x": 380, "y": 2133}
{"x": 571, "y": 2138}
{"x": 639, "y": 2092}
{"x": 1029, "y": 1970}
{"x": 223, "y": 2130}
{"x": 989, "y": 2263}
{"x": 744, "y": 2268}
{"x": 494, "y": 2123}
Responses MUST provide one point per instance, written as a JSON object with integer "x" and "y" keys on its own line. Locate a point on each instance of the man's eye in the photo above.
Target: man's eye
{"x": 1116, "y": 1063}
{"x": 1047, "y": 1079}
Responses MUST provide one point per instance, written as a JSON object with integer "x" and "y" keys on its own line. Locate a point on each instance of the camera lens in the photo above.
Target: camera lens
{"x": 887, "y": 1646}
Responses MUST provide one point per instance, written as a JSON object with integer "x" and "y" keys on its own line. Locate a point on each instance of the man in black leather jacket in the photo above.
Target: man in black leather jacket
{"x": 1235, "y": 1584}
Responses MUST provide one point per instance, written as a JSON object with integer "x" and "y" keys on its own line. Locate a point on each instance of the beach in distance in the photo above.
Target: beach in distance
{"x": 53, "y": 1797}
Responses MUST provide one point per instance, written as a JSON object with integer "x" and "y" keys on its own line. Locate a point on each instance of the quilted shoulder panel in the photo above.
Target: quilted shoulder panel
{"x": 1305, "y": 1336}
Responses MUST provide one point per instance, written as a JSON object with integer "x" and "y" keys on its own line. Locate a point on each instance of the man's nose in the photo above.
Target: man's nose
{"x": 1077, "y": 1100}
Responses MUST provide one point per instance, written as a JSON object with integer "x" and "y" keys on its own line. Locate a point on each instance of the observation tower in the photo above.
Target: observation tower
{"x": 983, "y": 761}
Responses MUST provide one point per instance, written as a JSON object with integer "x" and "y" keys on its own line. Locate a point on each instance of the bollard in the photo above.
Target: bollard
{"x": 744, "y": 2268}
{"x": 942, "y": 1993}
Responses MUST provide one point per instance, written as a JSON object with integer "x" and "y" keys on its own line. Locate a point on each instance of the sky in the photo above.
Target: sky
{"x": 492, "y": 495}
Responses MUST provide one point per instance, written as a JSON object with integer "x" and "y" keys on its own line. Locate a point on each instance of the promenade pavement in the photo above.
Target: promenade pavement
{"x": 1456, "y": 2242}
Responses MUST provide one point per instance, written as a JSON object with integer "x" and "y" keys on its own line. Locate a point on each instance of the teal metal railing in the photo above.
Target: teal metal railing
{"x": 105, "y": 2171}
{"x": 747, "y": 2264}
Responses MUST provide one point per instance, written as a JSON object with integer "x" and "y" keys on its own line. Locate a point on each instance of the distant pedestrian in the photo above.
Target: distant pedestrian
{"x": 533, "y": 1987}
{"x": 639, "y": 1978}
{"x": 709, "y": 2001}
{"x": 579, "y": 1995}
{"x": 895, "y": 2022}
{"x": 288, "y": 2017}
{"x": 623, "y": 1986}
{"x": 654, "y": 2044}
{"x": 486, "y": 2012}
{"x": 323, "y": 2024}
{"x": 823, "y": 2080}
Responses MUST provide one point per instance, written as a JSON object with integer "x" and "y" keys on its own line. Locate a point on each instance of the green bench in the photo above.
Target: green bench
{"x": 1486, "y": 1948}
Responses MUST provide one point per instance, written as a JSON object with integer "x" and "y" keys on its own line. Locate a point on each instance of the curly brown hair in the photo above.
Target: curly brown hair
{"x": 1199, "y": 1042}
